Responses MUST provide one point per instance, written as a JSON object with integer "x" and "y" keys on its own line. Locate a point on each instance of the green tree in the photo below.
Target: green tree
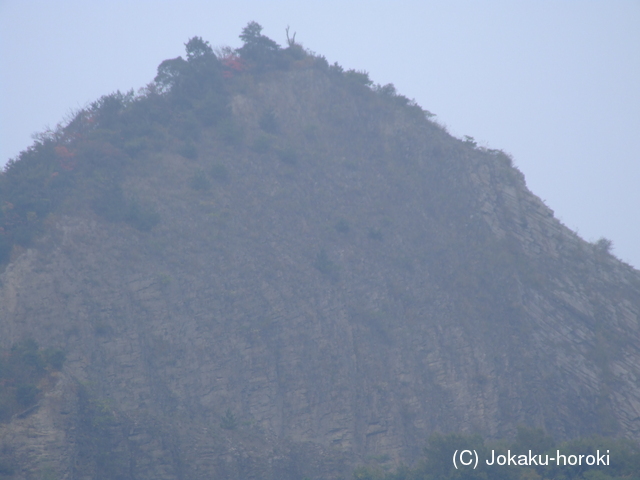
{"x": 198, "y": 76}
{"x": 229, "y": 420}
{"x": 170, "y": 72}
{"x": 197, "y": 48}
{"x": 258, "y": 48}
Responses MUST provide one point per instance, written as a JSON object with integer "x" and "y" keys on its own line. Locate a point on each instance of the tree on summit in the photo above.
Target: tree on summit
{"x": 257, "y": 48}
{"x": 198, "y": 48}
{"x": 196, "y": 76}
{"x": 169, "y": 73}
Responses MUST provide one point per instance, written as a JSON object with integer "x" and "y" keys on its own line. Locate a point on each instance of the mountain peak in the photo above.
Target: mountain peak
{"x": 263, "y": 264}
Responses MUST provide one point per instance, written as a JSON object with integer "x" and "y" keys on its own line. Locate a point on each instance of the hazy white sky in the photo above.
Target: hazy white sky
{"x": 555, "y": 84}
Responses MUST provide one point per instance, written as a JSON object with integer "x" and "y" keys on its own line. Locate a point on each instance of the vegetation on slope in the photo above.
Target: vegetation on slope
{"x": 24, "y": 370}
{"x": 94, "y": 152}
{"x": 94, "y": 149}
{"x": 437, "y": 464}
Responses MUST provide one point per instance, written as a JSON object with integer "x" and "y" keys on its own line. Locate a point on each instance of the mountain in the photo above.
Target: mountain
{"x": 265, "y": 266}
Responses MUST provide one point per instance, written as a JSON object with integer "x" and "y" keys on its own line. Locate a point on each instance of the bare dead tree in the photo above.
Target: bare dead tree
{"x": 291, "y": 41}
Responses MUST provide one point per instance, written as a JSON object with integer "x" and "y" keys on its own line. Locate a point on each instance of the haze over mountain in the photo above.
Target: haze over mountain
{"x": 552, "y": 83}
{"x": 267, "y": 266}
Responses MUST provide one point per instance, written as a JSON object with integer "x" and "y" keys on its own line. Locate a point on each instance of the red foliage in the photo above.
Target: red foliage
{"x": 63, "y": 152}
{"x": 231, "y": 65}
{"x": 65, "y": 157}
{"x": 67, "y": 164}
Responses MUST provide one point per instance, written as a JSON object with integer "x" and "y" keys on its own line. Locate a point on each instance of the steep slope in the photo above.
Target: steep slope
{"x": 265, "y": 267}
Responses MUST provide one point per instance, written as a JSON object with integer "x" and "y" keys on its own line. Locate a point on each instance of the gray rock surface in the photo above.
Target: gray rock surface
{"x": 388, "y": 282}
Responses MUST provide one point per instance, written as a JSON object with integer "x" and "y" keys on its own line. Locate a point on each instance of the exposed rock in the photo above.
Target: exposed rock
{"x": 449, "y": 299}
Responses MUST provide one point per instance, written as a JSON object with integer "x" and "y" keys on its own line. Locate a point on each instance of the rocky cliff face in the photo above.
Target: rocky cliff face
{"x": 332, "y": 278}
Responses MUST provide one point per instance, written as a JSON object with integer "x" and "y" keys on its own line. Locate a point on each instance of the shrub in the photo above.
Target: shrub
{"x": 101, "y": 329}
{"x": 30, "y": 187}
{"x": 229, "y": 421}
{"x": 113, "y": 206}
{"x": 375, "y": 234}
{"x": 107, "y": 109}
{"x": 28, "y": 354}
{"x": 311, "y": 132}
{"x": 212, "y": 110}
{"x": 135, "y": 146}
{"x": 230, "y": 132}
{"x": 24, "y": 234}
{"x": 368, "y": 473}
{"x": 6, "y": 468}
{"x": 388, "y": 90}
{"x": 470, "y": 141}
{"x": 262, "y": 144}
{"x": 55, "y": 357}
{"x": 220, "y": 173}
{"x": 5, "y": 248}
{"x": 342, "y": 226}
{"x": 604, "y": 245}
{"x": 325, "y": 266}
{"x": 110, "y": 203}
{"x": 268, "y": 122}
{"x": 358, "y": 78}
{"x": 144, "y": 219}
{"x": 26, "y": 394}
{"x": 21, "y": 369}
{"x": 187, "y": 128}
{"x": 288, "y": 156}
{"x": 188, "y": 150}
{"x": 199, "y": 181}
